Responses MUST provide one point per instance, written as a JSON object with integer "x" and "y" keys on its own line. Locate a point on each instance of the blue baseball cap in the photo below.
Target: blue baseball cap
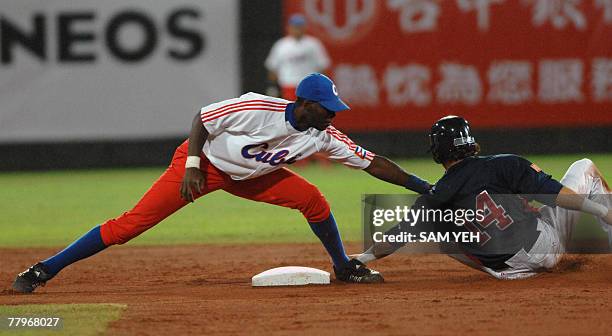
{"x": 297, "y": 20}
{"x": 319, "y": 88}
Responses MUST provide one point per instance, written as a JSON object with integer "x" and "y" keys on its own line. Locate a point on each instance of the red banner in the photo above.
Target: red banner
{"x": 401, "y": 64}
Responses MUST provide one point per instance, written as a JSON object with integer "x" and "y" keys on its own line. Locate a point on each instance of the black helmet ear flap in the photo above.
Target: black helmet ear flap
{"x": 434, "y": 145}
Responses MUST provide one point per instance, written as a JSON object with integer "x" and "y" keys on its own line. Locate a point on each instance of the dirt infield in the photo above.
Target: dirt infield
{"x": 206, "y": 290}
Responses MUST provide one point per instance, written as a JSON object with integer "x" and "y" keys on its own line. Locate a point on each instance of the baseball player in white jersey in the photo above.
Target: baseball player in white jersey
{"x": 516, "y": 240}
{"x": 295, "y": 56}
{"x": 243, "y": 146}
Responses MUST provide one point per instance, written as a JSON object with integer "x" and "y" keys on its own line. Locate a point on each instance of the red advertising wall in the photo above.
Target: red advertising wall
{"x": 401, "y": 64}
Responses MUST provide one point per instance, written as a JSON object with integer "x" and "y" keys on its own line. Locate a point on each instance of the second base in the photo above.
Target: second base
{"x": 291, "y": 276}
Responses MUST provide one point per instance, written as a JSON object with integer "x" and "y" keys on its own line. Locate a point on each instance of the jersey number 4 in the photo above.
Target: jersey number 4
{"x": 492, "y": 214}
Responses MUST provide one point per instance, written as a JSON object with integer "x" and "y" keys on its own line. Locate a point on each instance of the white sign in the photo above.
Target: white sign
{"x": 113, "y": 69}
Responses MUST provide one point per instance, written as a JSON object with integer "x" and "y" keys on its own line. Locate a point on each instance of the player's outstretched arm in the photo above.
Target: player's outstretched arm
{"x": 388, "y": 171}
{"x": 569, "y": 199}
{"x": 194, "y": 179}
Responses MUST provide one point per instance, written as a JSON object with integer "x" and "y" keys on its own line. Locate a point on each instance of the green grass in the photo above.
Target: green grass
{"x": 52, "y": 208}
{"x": 78, "y": 319}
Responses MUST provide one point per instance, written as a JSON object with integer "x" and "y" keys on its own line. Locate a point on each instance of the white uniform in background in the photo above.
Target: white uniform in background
{"x": 292, "y": 59}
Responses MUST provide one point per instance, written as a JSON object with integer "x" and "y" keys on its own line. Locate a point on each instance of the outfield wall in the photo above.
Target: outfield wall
{"x": 501, "y": 64}
{"x": 113, "y": 69}
{"x": 116, "y": 83}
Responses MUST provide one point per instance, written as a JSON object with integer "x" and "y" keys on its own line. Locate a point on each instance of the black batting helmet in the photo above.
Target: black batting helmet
{"x": 450, "y": 140}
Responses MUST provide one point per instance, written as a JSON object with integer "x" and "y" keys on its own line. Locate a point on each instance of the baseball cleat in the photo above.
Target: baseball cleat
{"x": 357, "y": 272}
{"x": 28, "y": 280}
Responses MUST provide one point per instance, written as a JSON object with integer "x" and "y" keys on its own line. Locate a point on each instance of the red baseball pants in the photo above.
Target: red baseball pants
{"x": 281, "y": 187}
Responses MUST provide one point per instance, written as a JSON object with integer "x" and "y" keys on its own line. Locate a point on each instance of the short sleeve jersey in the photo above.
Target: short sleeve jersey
{"x": 252, "y": 135}
{"x": 292, "y": 59}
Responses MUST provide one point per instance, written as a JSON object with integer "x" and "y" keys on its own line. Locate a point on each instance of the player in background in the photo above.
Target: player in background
{"x": 517, "y": 241}
{"x": 293, "y": 57}
{"x": 243, "y": 146}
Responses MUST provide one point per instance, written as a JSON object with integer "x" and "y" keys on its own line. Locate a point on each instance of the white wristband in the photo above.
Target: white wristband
{"x": 192, "y": 162}
{"x": 594, "y": 208}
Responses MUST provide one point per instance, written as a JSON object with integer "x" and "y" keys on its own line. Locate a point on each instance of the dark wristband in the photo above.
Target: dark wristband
{"x": 417, "y": 184}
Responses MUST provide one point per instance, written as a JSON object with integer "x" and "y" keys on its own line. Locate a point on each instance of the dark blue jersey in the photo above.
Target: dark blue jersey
{"x": 501, "y": 186}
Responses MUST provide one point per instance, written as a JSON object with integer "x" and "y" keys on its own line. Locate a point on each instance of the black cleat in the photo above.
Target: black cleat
{"x": 28, "y": 280}
{"x": 356, "y": 272}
